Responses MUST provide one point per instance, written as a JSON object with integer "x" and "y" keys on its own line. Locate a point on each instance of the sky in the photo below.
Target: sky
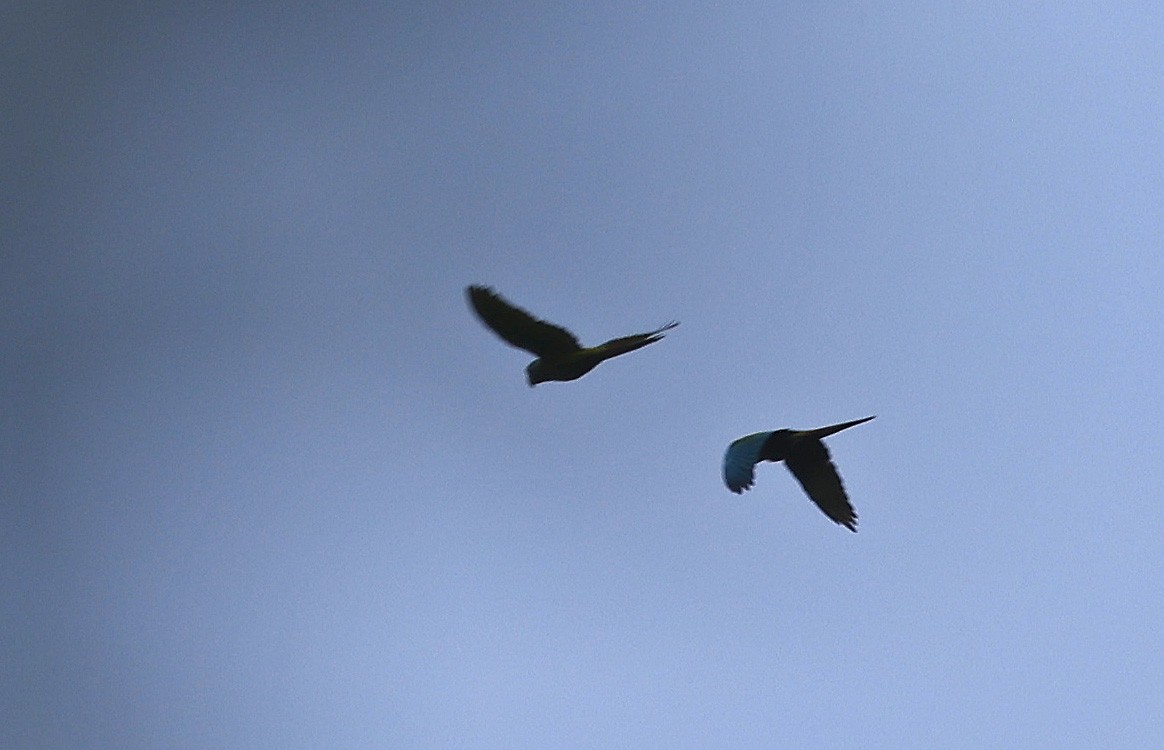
{"x": 267, "y": 483}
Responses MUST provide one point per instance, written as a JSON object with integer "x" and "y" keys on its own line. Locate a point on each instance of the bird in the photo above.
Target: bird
{"x": 560, "y": 357}
{"x": 805, "y": 456}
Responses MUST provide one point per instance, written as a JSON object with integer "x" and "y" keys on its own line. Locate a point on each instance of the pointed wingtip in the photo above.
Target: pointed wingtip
{"x": 474, "y": 291}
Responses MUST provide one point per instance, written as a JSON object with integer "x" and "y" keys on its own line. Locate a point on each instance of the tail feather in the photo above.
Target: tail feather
{"x": 615, "y": 347}
{"x": 823, "y": 432}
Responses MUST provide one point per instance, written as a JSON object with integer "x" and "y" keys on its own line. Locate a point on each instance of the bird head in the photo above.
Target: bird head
{"x": 535, "y": 373}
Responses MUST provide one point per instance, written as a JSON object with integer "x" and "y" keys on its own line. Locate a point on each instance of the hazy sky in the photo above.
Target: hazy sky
{"x": 267, "y": 483}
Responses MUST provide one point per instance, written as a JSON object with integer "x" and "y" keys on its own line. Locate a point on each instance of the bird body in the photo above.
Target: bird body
{"x": 805, "y": 455}
{"x": 560, "y": 356}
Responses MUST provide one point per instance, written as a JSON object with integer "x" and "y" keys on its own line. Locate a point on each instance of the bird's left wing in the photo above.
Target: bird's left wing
{"x": 818, "y": 476}
{"x": 740, "y": 460}
{"x": 519, "y": 327}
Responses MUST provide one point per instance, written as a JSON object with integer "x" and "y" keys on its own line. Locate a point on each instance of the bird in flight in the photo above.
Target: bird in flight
{"x": 805, "y": 456}
{"x": 560, "y": 356}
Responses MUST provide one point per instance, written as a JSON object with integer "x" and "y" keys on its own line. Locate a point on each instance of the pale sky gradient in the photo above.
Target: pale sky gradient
{"x": 267, "y": 483}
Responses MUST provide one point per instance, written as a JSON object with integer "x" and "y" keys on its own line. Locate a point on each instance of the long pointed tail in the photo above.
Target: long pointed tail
{"x": 615, "y": 347}
{"x": 822, "y": 432}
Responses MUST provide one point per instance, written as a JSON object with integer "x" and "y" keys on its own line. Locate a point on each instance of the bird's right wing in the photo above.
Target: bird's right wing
{"x": 519, "y": 327}
{"x": 739, "y": 461}
{"x": 811, "y": 466}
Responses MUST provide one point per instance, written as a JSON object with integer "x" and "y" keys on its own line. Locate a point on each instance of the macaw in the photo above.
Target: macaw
{"x": 560, "y": 356}
{"x": 805, "y": 456}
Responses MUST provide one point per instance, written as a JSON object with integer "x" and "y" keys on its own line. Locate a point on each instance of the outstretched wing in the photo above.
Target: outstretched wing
{"x": 519, "y": 327}
{"x": 811, "y": 466}
{"x": 739, "y": 461}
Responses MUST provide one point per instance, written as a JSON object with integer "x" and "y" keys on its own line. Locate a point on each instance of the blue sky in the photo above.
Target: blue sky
{"x": 268, "y": 483}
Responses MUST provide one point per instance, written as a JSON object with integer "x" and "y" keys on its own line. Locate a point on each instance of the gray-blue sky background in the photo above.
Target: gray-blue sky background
{"x": 268, "y": 483}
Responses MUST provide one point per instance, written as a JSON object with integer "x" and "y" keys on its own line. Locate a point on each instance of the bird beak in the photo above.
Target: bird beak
{"x": 822, "y": 432}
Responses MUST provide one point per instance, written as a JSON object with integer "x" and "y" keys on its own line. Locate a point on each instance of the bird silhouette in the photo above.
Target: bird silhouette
{"x": 805, "y": 456}
{"x": 560, "y": 356}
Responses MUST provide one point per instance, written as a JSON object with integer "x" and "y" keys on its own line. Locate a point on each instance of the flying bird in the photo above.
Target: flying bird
{"x": 805, "y": 456}
{"x": 560, "y": 356}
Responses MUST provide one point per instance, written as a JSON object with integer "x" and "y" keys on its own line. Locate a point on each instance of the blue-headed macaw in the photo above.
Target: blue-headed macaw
{"x": 805, "y": 456}
{"x": 560, "y": 356}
